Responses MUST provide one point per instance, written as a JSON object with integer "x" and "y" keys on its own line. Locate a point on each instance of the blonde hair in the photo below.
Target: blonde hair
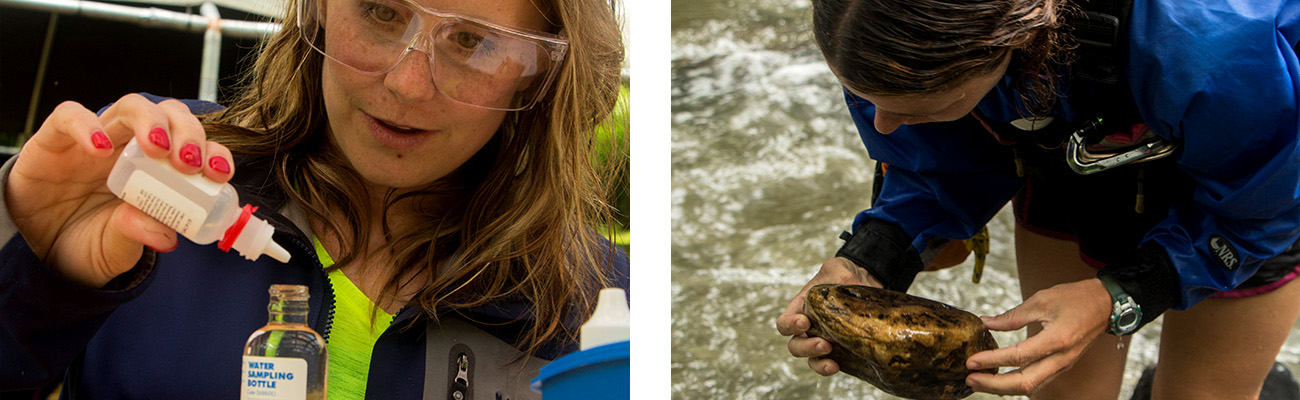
{"x": 524, "y": 212}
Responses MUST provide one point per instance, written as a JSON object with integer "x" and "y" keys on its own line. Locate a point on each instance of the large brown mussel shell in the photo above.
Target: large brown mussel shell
{"x": 907, "y": 346}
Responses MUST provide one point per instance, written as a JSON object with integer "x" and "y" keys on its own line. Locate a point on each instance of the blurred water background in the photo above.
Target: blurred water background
{"x": 767, "y": 171}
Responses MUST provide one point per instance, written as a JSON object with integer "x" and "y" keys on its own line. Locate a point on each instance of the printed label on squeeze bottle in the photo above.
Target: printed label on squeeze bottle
{"x": 163, "y": 203}
{"x": 196, "y": 207}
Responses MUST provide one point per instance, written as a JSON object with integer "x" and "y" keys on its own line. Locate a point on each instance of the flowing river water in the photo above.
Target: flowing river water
{"x": 767, "y": 171}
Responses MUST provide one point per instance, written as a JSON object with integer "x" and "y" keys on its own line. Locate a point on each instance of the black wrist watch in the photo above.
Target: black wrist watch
{"x": 1125, "y": 314}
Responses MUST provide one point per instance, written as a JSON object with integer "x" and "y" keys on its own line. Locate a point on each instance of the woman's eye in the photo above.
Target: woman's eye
{"x": 468, "y": 40}
{"x": 381, "y": 13}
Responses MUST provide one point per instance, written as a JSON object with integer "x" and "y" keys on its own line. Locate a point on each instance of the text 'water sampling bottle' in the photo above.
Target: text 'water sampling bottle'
{"x": 196, "y": 207}
{"x": 285, "y": 359}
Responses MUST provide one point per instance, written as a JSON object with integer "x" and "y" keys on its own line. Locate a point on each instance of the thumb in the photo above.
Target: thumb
{"x": 131, "y": 227}
{"x": 1014, "y": 319}
{"x": 107, "y": 244}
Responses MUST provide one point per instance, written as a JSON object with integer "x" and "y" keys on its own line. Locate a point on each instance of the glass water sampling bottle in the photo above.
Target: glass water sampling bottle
{"x": 285, "y": 359}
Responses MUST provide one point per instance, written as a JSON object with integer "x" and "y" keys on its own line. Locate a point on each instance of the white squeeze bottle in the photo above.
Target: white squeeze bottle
{"x": 609, "y": 323}
{"x": 198, "y": 208}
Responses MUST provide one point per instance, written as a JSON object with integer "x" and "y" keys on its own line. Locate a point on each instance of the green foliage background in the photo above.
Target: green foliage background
{"x": 611, "y": 153}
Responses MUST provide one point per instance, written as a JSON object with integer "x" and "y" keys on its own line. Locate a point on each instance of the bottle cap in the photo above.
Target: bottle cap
{"x": 609, "y": 323}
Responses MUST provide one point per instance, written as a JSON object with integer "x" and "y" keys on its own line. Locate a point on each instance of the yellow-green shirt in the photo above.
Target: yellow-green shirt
{"x": 352, "y": 336}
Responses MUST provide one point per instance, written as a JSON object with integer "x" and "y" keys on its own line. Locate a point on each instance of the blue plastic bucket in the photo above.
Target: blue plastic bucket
{"x": 600, "y": 372}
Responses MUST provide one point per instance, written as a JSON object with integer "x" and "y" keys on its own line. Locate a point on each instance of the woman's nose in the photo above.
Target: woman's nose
{"x": 412, "y": 79}
{"x": 887, "y": 122}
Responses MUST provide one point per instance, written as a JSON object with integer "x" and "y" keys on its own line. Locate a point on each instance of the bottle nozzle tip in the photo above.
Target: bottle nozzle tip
{"x": 274, "y": 250}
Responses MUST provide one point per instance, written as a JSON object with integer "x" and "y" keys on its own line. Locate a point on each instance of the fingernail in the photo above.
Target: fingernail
{"x": 100, "y": 140}
{"x": 159, "y": 137}
{"x": 219, "y": 164}
{"x": 190, "y": 155}
{"x": 971, "y": 365}
{"x": 173, "y": 248}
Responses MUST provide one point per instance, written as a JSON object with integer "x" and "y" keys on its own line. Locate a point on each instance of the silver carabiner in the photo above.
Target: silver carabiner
{"x": 1084, "y": 162}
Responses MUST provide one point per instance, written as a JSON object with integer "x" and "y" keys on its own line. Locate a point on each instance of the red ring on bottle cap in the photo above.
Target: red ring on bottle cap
{"x": 233, "y": 232}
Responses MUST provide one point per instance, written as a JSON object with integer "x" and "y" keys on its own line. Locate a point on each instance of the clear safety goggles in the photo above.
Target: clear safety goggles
{"x": 471, "y": 61}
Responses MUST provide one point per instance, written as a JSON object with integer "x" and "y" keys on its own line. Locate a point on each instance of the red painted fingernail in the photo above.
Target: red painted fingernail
{"x": 190, "y": 155}
{"x": 100, "y": 140}
{"x": 219, "y": 164}
{"x": 159, "y": 137}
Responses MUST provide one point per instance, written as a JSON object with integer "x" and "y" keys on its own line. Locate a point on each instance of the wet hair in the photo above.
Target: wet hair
{"x": 519, "y": 221}
{"x": 914, "y": 47}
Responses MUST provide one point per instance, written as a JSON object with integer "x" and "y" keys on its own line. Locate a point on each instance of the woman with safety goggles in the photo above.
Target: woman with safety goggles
{"x": 425, "y": 162}
{"x": 1151, "y": 150}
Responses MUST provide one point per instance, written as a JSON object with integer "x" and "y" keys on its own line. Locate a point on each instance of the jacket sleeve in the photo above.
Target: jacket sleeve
{"x": 45, "y": 320}
{"x": 945, "y": 181}
{"x": 1221, "y": 79}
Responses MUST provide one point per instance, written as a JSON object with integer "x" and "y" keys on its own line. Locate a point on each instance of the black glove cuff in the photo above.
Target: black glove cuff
{"x": 1149, "y": 277}
{"x": 885, "y": 251}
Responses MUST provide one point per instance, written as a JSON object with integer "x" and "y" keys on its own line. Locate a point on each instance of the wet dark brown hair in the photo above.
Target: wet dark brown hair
{"x": 912, "y": 47}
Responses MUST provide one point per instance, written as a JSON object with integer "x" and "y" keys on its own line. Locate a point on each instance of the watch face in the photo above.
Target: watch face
{"x": 1127, "y": 320}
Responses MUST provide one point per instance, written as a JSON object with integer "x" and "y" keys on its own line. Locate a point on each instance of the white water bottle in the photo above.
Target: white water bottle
{"x": 196, "y": 207}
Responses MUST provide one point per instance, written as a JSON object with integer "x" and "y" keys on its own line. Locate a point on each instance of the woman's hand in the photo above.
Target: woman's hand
{"x": 1072, "y": 316}
{"x": 794, "y": 323}
{"x": 57, "y": 193}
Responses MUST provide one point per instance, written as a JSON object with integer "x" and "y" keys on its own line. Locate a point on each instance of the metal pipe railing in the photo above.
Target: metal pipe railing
{"x": 149, "y": 17}
{"x": 208, "y": 71}
{"x": 46, "y": 47}
{"x": 209, "y": 22}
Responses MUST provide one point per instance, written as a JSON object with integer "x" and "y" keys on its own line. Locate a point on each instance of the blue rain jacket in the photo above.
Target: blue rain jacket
{"x": 1220, "y": 77}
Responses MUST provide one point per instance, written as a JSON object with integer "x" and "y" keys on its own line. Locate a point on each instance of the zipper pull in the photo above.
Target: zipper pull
{"x": 460, "y": 385}
{"x": 978, "y": 244}
{"x": 1020, "y": 164}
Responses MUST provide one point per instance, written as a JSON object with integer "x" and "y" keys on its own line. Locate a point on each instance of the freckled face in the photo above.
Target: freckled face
{"x": 947, "y": 105}
{"x": 395, "y": 129}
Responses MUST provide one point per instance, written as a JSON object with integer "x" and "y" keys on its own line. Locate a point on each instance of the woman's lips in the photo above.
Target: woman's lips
{"x": 395, "y": 136}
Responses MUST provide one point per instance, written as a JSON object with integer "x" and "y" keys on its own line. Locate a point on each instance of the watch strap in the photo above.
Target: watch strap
{"x": 1112, "y": 287}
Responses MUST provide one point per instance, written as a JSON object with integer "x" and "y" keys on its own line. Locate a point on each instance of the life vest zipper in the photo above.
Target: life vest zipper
{"x": 326, "y": 318}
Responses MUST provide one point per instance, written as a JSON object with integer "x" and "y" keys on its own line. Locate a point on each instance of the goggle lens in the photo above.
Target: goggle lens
{"x": 471, "y": 61}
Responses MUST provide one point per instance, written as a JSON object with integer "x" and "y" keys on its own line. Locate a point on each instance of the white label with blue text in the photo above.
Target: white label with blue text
{"x": 273, "y": 378}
